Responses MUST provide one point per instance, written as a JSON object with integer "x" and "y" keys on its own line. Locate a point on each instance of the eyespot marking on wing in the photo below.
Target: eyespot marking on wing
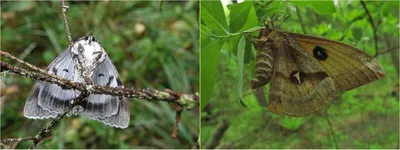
{"x": 320, "y": 53}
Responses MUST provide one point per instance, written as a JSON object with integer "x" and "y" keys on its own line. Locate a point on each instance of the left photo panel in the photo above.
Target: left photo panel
{"x": 99, "y": 75}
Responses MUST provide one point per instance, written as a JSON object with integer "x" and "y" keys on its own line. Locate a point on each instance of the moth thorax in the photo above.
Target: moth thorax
{"x": 87, "y": 54}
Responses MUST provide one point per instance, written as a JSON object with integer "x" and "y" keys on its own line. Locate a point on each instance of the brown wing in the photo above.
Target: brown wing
{"x": 299, "y": 85}
{"x": 348, "y": 66}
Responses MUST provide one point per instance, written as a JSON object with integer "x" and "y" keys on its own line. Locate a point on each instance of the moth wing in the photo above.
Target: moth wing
{"x": 119, "y": 120}
{"x": 264, "y": 62}
{"x": 299, "y": 86}
{"x": 111, "y": 110}
{"x": 348, "y": 66}
{"x": 32, "y": 109}
{"x": 46, "y": 100}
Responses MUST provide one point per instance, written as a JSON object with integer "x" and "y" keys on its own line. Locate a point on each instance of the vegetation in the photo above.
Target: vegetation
{"x": 234, "y": 117}
{"x": 152, "y": 44}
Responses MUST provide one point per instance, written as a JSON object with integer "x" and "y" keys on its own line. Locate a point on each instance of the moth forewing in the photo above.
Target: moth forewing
{"x": 45, "y": 99}
{"x": 347, "y": 65}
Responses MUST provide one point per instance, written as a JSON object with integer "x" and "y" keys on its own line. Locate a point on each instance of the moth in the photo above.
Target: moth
{"x": 84, "y": 61}
{"x": 307, "y": 72}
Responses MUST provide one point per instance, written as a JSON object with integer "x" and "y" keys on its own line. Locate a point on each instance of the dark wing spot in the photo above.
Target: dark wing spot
{"x": 119, "y": 82}
{"x": 55, "y": 71}
{"x": 66, "y": 70}
{"x": 110, "y": 80}
{"x": 320, "y": 53}
{"x": 101, "y": 75}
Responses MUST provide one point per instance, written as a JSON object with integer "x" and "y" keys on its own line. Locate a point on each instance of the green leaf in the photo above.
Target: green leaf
{"x": 204, "y": 30}
{"x": 242, "y": 103}
{"x": 240, "y": 56}
{"x": 357, "y": 33}
{"x": 208, "y": 70}
{"x": 232, "y": 44}
{"x": 247, "y": 53}
{"x": 320, "y": 7}
{"x": 242, "y": 17}
{"x": 213, "y": 16}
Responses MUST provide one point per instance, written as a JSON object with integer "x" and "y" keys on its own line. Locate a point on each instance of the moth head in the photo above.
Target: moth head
{"x": 87, "y": 53}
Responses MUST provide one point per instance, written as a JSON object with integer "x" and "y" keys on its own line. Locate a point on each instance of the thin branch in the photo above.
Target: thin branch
{"x": 326, "y": 116}
{"x": 47, "y": 129}
{"x": 372, "y": 24}
{"x": 27, "y": 51}
{"x": 300, "y": 20}
{"x": 179, "y": 110}
{"x": 217, "y": 135}
{"x": 389, "y": 50}
{"x": 64, "y": 9}
{"x": 14, "y": 140}
{"x": 32, "y": 67}
{"x": 187, "y": 100}
{"x": 45, "y": 132}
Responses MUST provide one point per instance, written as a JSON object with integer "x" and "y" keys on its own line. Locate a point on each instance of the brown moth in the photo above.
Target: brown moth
{"x": 307, "y": 72}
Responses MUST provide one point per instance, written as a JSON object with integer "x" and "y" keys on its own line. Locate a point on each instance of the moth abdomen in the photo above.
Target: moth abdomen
{"x": 263, "y": 68}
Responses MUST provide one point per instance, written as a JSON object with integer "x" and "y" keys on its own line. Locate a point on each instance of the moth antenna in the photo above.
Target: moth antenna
{"x": 80, "y": 24}
{"x": 283, "y": 21}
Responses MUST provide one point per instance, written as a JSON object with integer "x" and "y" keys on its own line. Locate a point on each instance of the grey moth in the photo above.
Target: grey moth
{"x": 85, "y": 59}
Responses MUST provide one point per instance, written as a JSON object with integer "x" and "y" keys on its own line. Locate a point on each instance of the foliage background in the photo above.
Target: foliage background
{"x": 366, "y": 117}
{"x": 150, "y": 47}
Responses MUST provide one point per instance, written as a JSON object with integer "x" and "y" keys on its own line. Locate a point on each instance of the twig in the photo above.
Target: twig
{"x": 372, "y": 24}
{"x": 44, "y": 133}
{"x": 14, "y": 140}
{"x": 389, "y": 50}
{"x": 218, "y": 134}
{"x": 32, "y": 67}
{"x": 188, "y": 100}
{"x": 64, "y": 9}
{"x": 179, "y": 110}
{"x": 300, "y": 20}
{"x": 27, "y": 51}
{"x": 331, "y": 128}
{"x": 46, "y": 130}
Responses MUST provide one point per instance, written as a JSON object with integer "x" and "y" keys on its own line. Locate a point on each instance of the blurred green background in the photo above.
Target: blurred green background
{"x": 151, "y": 45}
{"x": 366, "y": 117}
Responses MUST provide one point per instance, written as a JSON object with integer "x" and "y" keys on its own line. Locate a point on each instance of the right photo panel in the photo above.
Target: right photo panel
{"x": 297, "y": 74}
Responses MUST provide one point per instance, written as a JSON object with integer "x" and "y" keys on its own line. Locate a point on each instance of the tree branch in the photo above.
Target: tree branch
{"x": 179, "y": 110}
{"x": 188, "y": 100}
{"x": 372, "y": 24}
{"x": 45, "y": 132}
{"x": 217, "y": 135}
{"x": 64, "y": 9}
